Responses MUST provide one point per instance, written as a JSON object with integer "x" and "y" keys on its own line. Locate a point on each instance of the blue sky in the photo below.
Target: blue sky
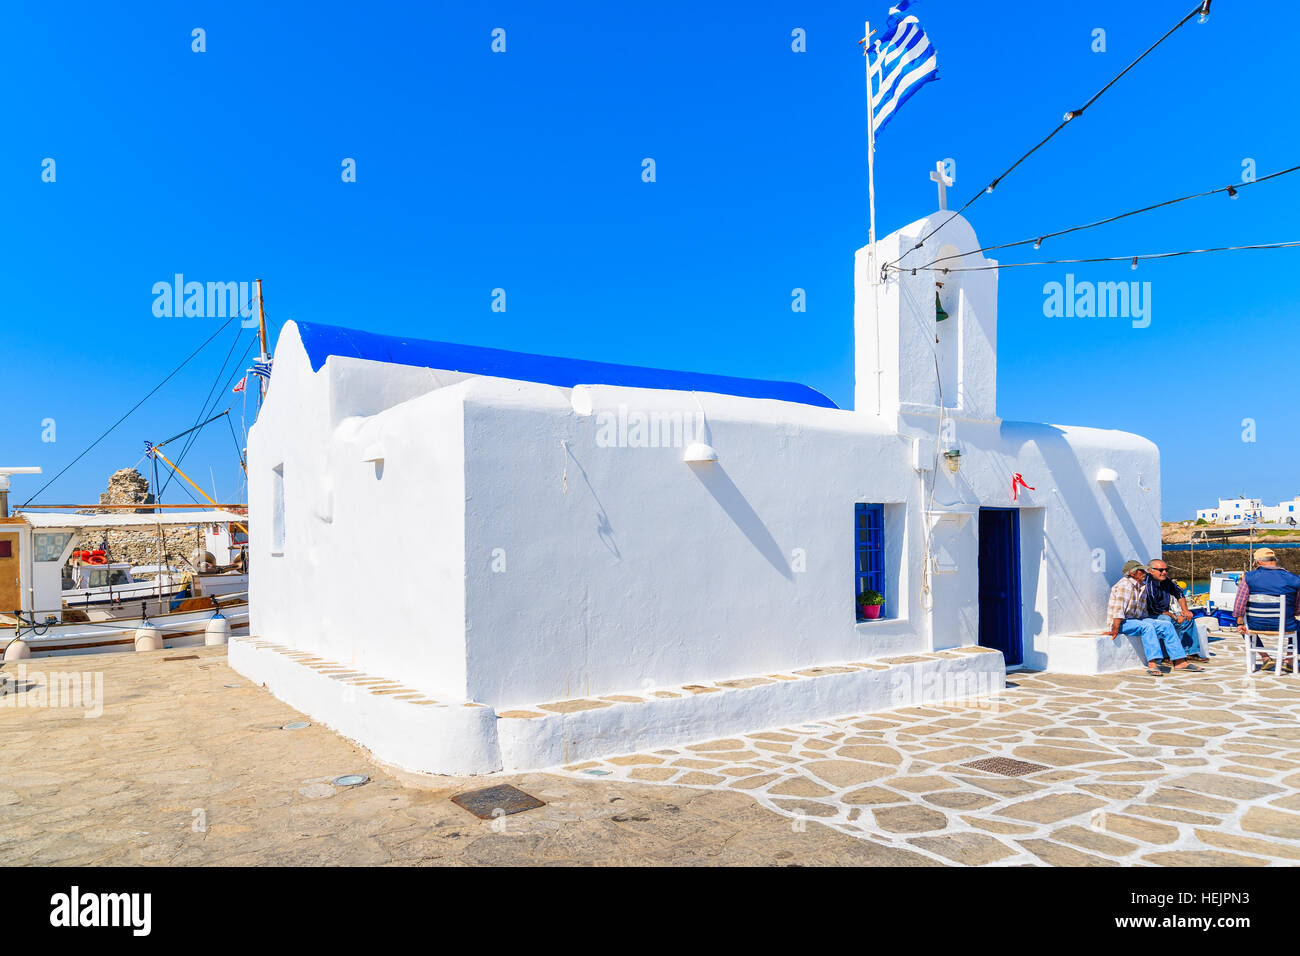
{"x": 522, "y": 171}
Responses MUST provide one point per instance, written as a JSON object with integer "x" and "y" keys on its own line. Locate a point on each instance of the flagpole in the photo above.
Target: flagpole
{"x": 871, "y": 200}
{"x": 871, "y": 150}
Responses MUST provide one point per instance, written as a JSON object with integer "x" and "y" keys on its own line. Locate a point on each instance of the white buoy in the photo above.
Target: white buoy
{"x": 18, "y": 650}
{"x": 148, "y": 637}
{"x": 218, "y": 631}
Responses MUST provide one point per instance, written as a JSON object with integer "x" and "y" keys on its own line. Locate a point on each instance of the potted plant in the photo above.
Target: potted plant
{"x": 870, "y": 603}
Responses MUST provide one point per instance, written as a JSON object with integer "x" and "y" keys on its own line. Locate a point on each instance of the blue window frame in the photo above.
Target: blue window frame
{"x": 869, "y": 537}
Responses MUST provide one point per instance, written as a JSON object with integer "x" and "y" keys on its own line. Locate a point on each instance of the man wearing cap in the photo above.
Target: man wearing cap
{"x": 1129, "y": 615}
{"x": 1267, "y": 578}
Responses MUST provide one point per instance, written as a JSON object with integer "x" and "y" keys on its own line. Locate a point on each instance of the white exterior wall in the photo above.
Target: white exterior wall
{"x": 648, "y": 571}
{"x": 372, "y": 573}
{"x": 653, "y": 572}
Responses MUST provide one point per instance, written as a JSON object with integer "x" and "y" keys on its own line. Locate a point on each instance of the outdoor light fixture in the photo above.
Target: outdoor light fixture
{"x": 952, "y": 458}
{"x": 1135, "y": 263}
{"x": 1205, "y": 11}
{"x": 699, "y": 453}
{"x": 1232, "y": 192}
{"x": 1038, "y": 244}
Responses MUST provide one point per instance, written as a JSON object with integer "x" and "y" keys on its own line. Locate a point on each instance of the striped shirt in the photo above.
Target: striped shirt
{"x": 1242, "y": 601}
{"x": 1127, "y": 600}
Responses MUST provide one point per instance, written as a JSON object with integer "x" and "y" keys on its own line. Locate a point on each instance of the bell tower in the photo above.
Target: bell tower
{"x": 926, "y": 335}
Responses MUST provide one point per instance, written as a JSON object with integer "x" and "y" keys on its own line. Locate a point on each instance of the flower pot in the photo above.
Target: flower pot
{"x": 870, "y": 611}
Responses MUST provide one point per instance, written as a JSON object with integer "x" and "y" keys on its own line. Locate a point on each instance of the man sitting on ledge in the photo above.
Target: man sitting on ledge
{"x": 1162, "y": 592}
{"x": 1128, "y": 613}
{"x": 1267, "y": 578}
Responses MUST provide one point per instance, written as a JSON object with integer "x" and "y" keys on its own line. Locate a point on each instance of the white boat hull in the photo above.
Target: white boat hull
{"x": 182, "y": 629}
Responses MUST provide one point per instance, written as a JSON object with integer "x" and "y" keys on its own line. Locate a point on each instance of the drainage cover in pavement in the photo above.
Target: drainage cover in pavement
{"x": 496, "y": 801}
{"x": 1005, "y": 766}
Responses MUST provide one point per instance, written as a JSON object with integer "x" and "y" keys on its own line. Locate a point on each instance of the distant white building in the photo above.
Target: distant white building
{"x": 1280, "y": 513}
{"x": 1240, "y": 510}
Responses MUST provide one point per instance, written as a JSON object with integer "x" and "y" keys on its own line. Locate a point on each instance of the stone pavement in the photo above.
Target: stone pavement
{"x": 1190, "y": 769}
{"x": 188, "y": 763}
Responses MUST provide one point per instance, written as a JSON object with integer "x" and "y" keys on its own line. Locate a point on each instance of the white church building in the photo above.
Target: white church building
{"x": 469, "y": 559}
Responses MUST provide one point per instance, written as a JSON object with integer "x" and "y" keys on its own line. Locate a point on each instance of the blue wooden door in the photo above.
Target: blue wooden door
{"x": 999, "y": 585}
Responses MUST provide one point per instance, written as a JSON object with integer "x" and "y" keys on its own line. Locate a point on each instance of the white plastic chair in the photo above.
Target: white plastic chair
{"x": 1266, "y": 607}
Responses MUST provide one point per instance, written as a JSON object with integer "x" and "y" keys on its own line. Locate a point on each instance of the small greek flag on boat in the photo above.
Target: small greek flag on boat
{"x": 262, "y": 369}
{"x": 148, "y": 449}
{"x": 904, "y": 61}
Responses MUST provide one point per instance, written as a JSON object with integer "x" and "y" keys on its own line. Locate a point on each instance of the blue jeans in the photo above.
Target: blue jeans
{"x": 1193, "y": 634}
{"x": 1154, "y": 630}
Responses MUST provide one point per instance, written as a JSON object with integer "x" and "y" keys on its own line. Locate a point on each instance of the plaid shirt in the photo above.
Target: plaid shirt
{"x": 1127, "y": 600}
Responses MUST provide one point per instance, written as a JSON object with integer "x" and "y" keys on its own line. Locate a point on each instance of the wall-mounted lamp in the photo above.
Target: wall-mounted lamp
{"x": 375, "y": 455}
{"x": 952, "y": 458}
{"x": 699, "y": 453}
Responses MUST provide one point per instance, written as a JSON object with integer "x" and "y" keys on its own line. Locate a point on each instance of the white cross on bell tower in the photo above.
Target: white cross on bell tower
{"x": 944, "y": 182}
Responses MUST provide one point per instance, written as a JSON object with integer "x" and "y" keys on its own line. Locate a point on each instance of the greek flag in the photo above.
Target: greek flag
{"x": 261, "y": 369}
{"x": 904, "y": 62}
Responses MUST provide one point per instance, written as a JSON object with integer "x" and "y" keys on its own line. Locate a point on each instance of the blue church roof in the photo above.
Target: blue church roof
{"x": 322, "y": 341}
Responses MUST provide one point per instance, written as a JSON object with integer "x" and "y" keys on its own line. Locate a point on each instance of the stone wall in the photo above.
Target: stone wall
{"x": 1229, "y": 559}
{"x": 140, "y": 545}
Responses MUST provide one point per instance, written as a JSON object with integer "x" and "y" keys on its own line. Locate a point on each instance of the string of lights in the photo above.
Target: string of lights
{"x": 1202, "y": 8}
{"x": 1038, "y": 241}
{"x": 1134, "y": 259}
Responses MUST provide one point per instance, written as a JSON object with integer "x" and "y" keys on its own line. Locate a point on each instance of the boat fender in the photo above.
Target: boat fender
{"x": 148, "y": 637}
{"x": 217, "y": 631}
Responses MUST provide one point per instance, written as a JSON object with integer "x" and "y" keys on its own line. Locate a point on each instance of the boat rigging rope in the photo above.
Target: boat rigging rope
{"x": 150, "y": 394}
{"x": 203, "y": 408}
{"x": 214, "y": 394}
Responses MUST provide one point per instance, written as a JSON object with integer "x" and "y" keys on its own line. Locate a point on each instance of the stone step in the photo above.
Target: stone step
{"x": 416, "y": 731}
{"x": 560, "y": 732}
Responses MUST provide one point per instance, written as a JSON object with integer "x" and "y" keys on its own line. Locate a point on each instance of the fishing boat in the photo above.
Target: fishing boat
{"x": 55, "y": 602}
{"x": 105, "y": 601}
{"x": 1222, "y": 595}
